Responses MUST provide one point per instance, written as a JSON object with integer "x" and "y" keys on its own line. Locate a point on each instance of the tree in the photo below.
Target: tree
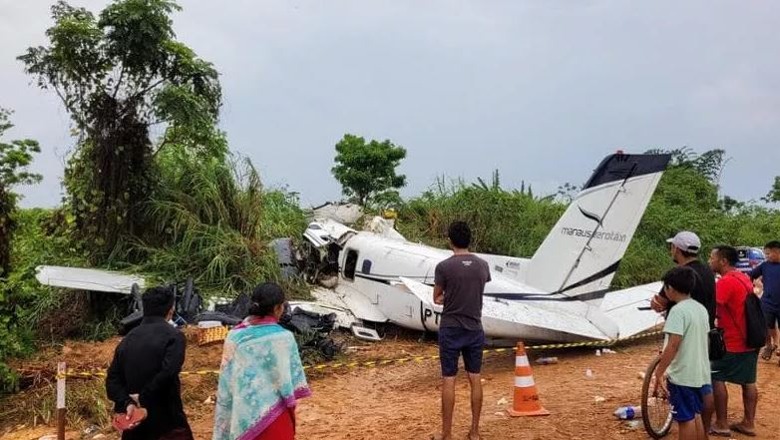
{"x": 773, "y": 196}
{"x": 366, "y": 171}
{"x": 15, "y": 157}
{"x": 709, "y": 164}
{"x": 118, "y": 75}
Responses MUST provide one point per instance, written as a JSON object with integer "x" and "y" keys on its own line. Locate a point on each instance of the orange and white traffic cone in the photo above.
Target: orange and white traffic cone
{"x": 526, "y": 399}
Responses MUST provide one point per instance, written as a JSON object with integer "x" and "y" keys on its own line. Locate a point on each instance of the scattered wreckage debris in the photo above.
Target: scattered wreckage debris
{"x": 313, "y": 325}
{"x": 345, "y": 213}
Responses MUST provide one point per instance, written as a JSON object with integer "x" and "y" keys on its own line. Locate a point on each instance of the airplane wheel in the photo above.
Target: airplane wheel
{"x": 656, "y": 410}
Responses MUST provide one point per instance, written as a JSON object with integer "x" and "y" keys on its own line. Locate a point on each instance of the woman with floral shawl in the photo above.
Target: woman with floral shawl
{"x": 261, "y": 377}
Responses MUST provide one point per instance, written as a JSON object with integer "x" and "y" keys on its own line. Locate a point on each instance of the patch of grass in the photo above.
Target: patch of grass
{"x": 87, "y": 405}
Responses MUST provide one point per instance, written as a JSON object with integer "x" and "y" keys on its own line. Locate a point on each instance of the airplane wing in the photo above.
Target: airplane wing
{"x": 87, "y": 279}
{"x": 623, "y": 307}
{"x": 509, "y": 318}
{"x": 421, "y": 291}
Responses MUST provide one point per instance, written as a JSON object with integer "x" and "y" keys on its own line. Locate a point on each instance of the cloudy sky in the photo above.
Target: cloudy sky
{"x": 540, "y": 90}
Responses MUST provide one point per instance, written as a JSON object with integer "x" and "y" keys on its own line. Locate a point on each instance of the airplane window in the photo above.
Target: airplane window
{"x": 350, "y": 265}
{"x": 366, "y": 267}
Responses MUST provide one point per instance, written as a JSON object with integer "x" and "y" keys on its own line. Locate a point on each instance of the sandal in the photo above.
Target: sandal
{"x": 768, "y": 351}
{"x": 740, "y": 429}
{"x": 716, "y": 433}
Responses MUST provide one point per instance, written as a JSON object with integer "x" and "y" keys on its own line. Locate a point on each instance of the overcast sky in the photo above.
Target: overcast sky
{"x": 540, "y": 90}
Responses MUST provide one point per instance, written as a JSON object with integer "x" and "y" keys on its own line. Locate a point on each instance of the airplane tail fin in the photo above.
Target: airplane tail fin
{"x": 584, "y": 249}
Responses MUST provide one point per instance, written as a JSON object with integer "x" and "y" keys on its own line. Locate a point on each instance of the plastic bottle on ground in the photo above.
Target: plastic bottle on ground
{"x": 629, "y": 412}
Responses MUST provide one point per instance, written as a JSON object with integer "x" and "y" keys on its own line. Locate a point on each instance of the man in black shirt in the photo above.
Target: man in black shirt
{"x": 145, "y": 373}
{"x": 684, "y": 248}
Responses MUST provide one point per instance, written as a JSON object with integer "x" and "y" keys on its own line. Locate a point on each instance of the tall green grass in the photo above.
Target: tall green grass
{"x": 212, "y": 220}
{"x": 504, "y": 222}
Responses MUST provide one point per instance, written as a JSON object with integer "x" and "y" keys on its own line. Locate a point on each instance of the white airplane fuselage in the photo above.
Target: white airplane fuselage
{"x": 561, "y": 294}
{"x": 380, "y": 264}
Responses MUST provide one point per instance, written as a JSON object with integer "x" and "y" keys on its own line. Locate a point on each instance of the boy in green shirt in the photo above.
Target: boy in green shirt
{"x": 685, "y": 360}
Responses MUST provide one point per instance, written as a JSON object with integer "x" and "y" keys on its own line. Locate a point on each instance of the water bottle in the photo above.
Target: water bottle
{"x": 628, "y": 412}
{"x": 547, "y": 360}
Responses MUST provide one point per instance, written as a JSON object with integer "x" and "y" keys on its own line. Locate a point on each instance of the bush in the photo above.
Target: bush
{"x": 23, "y": 301}
{"x": 212, "y": 221}
{"x": 502, "y": 222}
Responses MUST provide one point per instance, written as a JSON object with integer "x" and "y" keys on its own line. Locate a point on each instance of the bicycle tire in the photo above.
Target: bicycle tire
{"x": 651, "y": 403}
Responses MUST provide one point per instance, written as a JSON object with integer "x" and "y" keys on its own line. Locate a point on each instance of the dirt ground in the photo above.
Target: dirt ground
{"x": 402, "y": 401}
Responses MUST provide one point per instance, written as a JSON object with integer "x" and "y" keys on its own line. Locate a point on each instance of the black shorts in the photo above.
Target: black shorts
{"x": 454, "y": 341}
{"x": 772, "y": 317}
{"x": 737, "y": 368}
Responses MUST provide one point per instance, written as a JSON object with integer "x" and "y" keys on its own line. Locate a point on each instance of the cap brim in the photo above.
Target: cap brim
{"x": 670, "y": 240}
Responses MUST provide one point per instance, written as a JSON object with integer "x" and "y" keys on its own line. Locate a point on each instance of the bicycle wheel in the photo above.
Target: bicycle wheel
{"x": 656, "y": 410}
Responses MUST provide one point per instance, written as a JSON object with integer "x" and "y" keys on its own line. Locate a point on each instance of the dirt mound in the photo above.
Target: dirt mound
{"x": 95, "y": 356}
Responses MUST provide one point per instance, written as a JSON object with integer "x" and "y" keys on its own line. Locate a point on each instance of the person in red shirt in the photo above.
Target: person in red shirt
{"x": 740, "y": 363}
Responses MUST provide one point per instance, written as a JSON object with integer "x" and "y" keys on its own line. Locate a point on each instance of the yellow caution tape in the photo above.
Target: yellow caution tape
{"x": 609, "y": 343}
{"x": 398, "y": 361}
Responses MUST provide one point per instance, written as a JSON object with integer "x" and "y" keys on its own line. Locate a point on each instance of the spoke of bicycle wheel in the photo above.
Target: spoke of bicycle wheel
{"x": 660, "y": 412}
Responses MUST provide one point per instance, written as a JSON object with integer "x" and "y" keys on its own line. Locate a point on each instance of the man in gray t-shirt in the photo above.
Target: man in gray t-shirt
{"x": 459, "y": 284}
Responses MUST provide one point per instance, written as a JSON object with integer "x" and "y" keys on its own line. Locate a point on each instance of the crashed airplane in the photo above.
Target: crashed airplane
{"x": 560, "y": 294}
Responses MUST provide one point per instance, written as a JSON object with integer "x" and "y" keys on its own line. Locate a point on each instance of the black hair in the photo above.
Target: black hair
{"x": 265, "y": 298}
{"x": 728, "y": 253}
{"x": 774, "y": 244}
{"x": 681, "y": 279}
{"x": 687, "y": 254}
{"x": 157, "y": 301}
{"x": 460, "y": 234}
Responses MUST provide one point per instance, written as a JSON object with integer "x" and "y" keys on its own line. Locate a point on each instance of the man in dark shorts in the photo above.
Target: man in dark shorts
{"x": 769, "y": 272}
{"x": 740, "y": 363}
{"x": 684, "y": 248}
{"x": 459, "y": 284}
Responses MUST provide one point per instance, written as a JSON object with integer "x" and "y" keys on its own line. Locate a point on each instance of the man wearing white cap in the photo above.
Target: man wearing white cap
{"x": 684, "y": 249}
